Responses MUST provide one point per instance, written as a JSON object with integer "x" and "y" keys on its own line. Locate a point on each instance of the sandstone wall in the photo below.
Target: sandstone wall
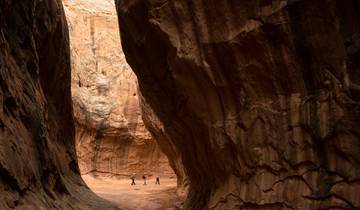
{"x": 258, "y": 99}
{"x": 111, "y": 139}
{"x": 38, "y": 167}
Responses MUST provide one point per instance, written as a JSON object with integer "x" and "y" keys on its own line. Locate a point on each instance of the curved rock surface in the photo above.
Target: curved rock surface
{"x": 111, "y": 139}
{"x": 260, "y": 99}
{"x": 38, "y": 167}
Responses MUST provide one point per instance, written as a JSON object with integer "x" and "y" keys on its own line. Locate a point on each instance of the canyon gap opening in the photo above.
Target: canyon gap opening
{"x": 112, "y": 142}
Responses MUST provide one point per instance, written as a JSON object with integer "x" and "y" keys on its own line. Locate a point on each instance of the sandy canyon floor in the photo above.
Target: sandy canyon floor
{"x": 138, "y": 197}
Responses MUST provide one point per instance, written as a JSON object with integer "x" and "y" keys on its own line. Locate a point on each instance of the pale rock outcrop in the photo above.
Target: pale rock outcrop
{"x": 258, "y": 99}
{"x": 111, "y": 138}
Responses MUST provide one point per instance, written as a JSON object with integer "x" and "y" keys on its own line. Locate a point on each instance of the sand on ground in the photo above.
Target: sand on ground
{"x": 137, "y": 197}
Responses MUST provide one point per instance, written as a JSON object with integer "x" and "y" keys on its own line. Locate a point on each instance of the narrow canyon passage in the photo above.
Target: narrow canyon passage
{"x": 138, "y": 197}
{"x": 112, "y": 142}
{"x": 251, "y": 105}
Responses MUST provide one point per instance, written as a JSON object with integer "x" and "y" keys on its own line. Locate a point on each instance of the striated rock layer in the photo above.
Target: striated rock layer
{"x": 38, "y": 167}
{"x": 111, "y": 139}
{"x": 258, "y": 100}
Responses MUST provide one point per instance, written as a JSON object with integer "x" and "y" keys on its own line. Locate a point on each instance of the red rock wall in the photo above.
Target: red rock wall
{"x": 259, "y": 99}
{"x": 38, "y": 167}
{"x": 119, "y": 156}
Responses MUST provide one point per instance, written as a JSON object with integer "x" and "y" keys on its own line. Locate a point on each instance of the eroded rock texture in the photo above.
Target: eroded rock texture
{"x": 260, "y": 99}
{"x": 111, "y": 138}
{"x": 38, "y": 167}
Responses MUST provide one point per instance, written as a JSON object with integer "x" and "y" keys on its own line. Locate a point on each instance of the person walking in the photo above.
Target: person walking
{"x": 144, "y": 179}
{"x": 157, "y": 180}
{"x": 133, "y": 179}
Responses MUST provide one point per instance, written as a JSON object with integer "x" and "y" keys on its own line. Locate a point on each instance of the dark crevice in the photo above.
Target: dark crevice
{"x": 8, "y": 179}
{"x": 295, "y": 11}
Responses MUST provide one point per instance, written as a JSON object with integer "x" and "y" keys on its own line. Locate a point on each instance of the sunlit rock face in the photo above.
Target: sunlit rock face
{"x": 38, "y": 167}
{"x": 111, "y": 138}
{"x": 259, "y": 100}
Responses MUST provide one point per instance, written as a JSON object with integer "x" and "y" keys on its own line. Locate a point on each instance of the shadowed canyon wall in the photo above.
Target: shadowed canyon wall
{"x": 38, "y": 167}
{"x": 258, "y": 100}
{"x": 111, "y": 139}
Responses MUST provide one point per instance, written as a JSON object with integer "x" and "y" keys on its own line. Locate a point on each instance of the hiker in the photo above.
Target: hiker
{"x": 133, "y": 179}
{"x": 157, "y": 180}
{"x": 144, "y": 179}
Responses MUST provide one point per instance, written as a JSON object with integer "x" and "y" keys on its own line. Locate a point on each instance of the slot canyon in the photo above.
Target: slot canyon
{"x": 242, "y": 104}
